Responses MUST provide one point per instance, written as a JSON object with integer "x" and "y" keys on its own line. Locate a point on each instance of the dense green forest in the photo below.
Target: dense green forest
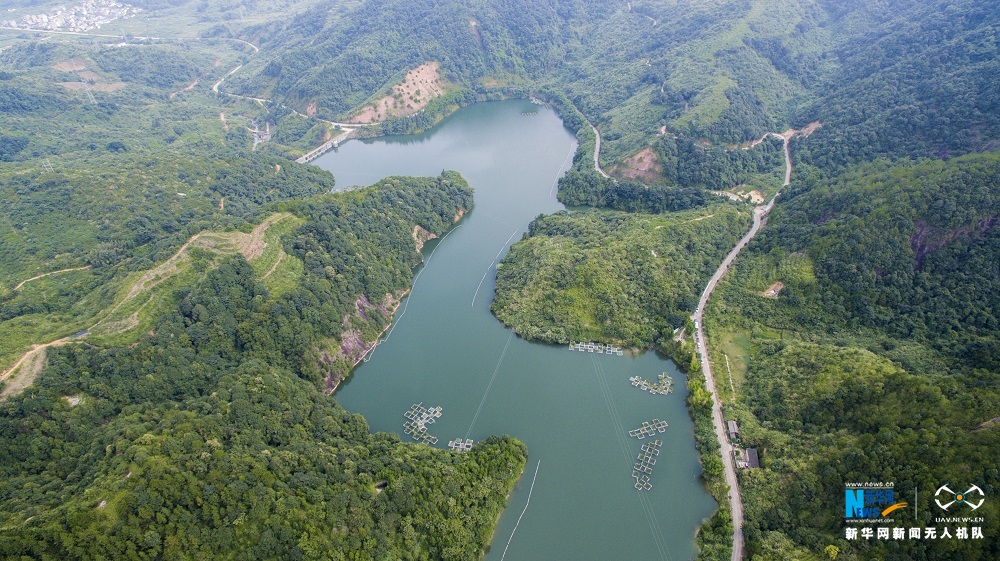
{"x": 212, "y": 437}
{"x": 878, "y": 354}
{"x": 198, "y": 442}
{"x": 690, "y": 80}
{"x": 612, "y": 276}
{"x": 877, "y": 359}
{"x": 191, "y": 419}
{"x": 919, "y": 84}
{"x": 910, "y": 250}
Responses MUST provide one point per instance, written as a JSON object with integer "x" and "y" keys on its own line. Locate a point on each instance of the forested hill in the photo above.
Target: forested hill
{"x": 895, "y": 78}
{"x": 912, "y": 250}
{"x": 210, "y": 437}
{"x": 338, "y": 62}
{"x": 875, "y": 358}
{"x": 920, "y": 84}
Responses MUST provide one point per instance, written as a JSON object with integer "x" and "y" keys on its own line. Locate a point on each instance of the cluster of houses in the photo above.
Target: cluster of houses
{"x": 746, "y": 458}
{"x": 87, "y": 15}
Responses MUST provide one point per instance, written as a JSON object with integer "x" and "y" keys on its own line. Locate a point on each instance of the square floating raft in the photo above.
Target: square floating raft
{"x": 459, "y": 445}
{"x": 599, "y": 348}
{"x": 663, "y": 386}
{"x": 418, "y": 418}
{"x": 649, "y": 428}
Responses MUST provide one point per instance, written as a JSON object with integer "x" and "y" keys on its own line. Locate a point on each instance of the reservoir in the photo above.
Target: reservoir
{"x": 572, "y": 409}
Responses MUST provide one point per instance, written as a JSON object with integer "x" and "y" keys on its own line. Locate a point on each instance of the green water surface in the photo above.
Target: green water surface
{"x": 571, "y": 409}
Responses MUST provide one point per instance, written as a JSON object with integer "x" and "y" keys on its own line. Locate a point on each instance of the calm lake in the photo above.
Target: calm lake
{"x": 572, "y": 409}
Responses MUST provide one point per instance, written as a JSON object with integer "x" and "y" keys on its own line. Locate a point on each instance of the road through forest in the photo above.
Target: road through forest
{"x": 728, "y": 462}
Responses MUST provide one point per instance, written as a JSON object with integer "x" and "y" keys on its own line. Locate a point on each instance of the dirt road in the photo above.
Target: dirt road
{"x": 26, "y": 281}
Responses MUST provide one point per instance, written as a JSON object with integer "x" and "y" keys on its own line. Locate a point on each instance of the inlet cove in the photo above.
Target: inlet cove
{"x": 574, "y": 410}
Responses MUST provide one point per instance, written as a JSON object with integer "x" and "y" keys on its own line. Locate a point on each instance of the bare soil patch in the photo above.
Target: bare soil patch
{"x": 26, "y": 369}
{"x": 90, "y": 76}
{"x": 739, "y": 193}
{"x": 810, "y": 128}
{"x": 411, "y": 94}
{"x": 281, "y": 255}
{"x": 699, "y": 219}
{"x": 43, "y": 275}
{"x": 71, "y": 65}
{"x": 113, "y": 87}
{"x": 773, "y": 290}
{"x": 121, "y": 325}
{"x": 644, "y": 166}
{"x": 32, "y": 365}
{"x": 79, "y": 86}
{"x": 730, "y": 196}
{"x": 990, "y": 424}
{"x": 250, "y": 245}
{"x": 421, "y": 235}
{"x": 804, "y": 131}
{"x": 186, "y": 88}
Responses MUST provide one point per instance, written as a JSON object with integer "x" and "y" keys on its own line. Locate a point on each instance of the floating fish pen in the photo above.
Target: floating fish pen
{"x": 418, "y": 417}
{"x": 598, "y": 348}
{"x": 643, "y": 466}
{"x": 529, "y": 113}
{"x": 460, "y": 445}
{"x": 663, "y": 386}
{"x": 649, "y": 428}
{"x": 642, "y": 482}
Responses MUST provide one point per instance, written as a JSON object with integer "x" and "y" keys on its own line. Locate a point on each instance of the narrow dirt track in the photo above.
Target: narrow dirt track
{"x": 24, "y": 282}
{"x": 597, "y": 152}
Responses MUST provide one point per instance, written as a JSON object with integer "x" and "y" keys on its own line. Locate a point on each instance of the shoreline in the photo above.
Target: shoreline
{"x": 399, "y": 301}
{"x": 375, "y": 343}
{"x": 534, "y": 97}
{"x": 496, "y": 523}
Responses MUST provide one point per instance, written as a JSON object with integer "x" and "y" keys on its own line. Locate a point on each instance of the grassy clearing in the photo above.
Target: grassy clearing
{"x": 115, "y": 313}
{"x": 735, "y": 345}
{"x": 25, "y": 374}
{"x": 273, "y": 251}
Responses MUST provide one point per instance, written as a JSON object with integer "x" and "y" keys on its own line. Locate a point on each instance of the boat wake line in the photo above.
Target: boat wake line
{"x": 482, "y": 280}
{"x": 526, "y": 503}
{"x": 490, "y": 385}
{"x": 559, "y": 173}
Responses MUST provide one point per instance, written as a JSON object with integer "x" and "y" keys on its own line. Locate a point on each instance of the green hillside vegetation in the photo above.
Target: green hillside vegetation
{"x": 712, "y": 76}
{"x": 198, "y": 442}
{"x": 918, "y": 84}
{"x": 908, "y": 250}
{"x": 611, "y": 276}
{"x": 878, "y": 353}
{"x": 196, "y": 293}
{"x": 876, "y": 360}
{"x": 120, "y": 184}
{"x": 212, "y": 437}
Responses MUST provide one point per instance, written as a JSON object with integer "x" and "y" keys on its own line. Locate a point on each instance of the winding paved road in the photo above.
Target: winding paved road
{"x": 597, "y": 152}
{"x": 728, "y": 462}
